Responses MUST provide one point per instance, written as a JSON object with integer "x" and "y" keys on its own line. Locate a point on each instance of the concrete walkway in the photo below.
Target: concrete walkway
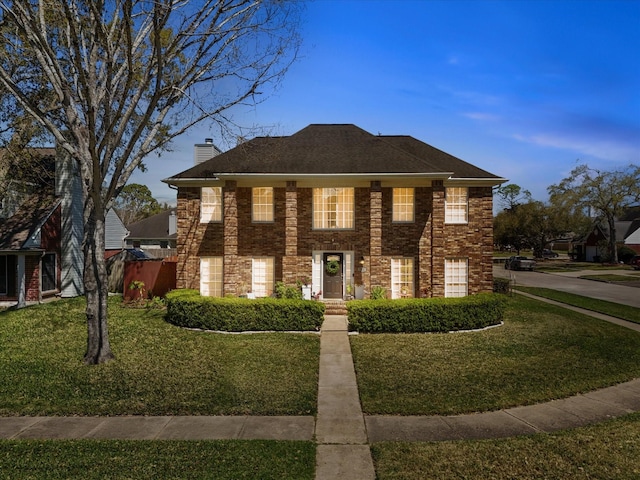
{"x": 342, "y": 432}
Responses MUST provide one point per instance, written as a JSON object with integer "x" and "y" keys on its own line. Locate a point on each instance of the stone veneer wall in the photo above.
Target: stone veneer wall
{"x": 290, "y": 238}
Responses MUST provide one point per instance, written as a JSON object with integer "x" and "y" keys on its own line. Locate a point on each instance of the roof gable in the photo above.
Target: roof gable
{"x": 333, "y": 149}
{"x": 30, "y": 216}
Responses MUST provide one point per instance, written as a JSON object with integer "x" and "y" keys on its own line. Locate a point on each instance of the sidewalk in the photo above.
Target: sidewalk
{"x": 342, "y": 432}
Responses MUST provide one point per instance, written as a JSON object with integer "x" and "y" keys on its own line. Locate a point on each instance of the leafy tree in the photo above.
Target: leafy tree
{"x": 512, "y": 195}
{"x": 136, "y": 202}
{"x": 114, "y": 81}
{"x": 609, "y": 193}
{"x": 528, "y": 223}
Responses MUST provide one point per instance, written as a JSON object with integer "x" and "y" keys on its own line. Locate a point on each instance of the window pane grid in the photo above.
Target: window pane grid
{"x": 455, "y": 277}
{"x": 211, "y": 276}
{"x": 262, "y": 273}
{"x": 456, "y": 205}
{"x": 402, "y": 277}
{"x": 403, "y": 199}
{"x": 333, "y": 208}
{"x": 263, "y": 204}
{"x": 210, "y": 204}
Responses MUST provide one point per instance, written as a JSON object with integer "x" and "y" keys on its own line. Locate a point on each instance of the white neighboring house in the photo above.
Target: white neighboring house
{"x": 632, "y": 238}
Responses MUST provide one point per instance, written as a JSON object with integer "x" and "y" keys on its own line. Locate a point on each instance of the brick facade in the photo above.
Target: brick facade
{"x": 291, "y": 240}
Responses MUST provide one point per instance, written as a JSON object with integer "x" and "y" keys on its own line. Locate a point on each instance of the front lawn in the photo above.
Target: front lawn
{"x": 97, "y": 459}
{"x": 159, "y": 369}
{"x": 605, "y": 451}
{"x": 542, "y": 352}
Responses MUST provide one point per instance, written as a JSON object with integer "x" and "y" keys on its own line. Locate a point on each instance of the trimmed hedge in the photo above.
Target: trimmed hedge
{"x": 501, "y": 285}
{"x": 426, "y": 315}
{"x": 186, "y": 308}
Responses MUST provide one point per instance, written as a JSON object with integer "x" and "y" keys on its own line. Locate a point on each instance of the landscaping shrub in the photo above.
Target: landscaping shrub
{"x": 425, "y": 315}
{"x": 501, "y": 285}
{"x": 189, "y": 309}
{"x": 293, "y": 292}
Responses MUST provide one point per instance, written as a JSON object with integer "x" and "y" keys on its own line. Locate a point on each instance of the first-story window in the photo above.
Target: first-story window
{"x": 211, "y": 276}
{"x": 262, "y": 279}
{"x": 210, "y": 204}
{"x": 48, "y": 272}
{"x": 4, "y": 274}
{"x": 456, "y": 277}
{"x": 262, "y": 204}
{"x": 402, "y": 278}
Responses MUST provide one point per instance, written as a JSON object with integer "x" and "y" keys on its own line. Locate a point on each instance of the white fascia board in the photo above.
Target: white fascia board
{"x": 320, "y": 179}
{"x": 474, "y": 182}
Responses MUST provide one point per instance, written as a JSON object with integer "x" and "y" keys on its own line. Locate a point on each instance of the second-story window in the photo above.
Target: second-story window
{"x": 210, "y": 204}
{"x": 262, "y": 204}
{"x": 403, "y": 205}
{"x": 333, "y": 208}
{"x": 456, "y": 205}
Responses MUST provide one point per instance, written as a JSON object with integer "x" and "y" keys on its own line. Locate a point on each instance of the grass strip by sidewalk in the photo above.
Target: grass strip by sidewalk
{"x": 612, "y": 278}
{"x": 98, "y": 459}
{"x": 606, "y": 451}
{"x": 542, "y": 352}
{"x": 617, "y": 310}
{"x": 159, "y": 369}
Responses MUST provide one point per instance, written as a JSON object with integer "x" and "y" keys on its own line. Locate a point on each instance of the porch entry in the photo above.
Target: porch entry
{"x": 333, "y": 275}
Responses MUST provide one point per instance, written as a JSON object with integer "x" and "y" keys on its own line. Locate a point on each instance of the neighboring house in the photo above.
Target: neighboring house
{"x": 30, "y": 251}
{"x": 41, "y": 234}
{"x": 153, "y": 233}
{"x": 632, "y": 237}
{"x": 115, "y": 234}
{"x": 340, "y": 209}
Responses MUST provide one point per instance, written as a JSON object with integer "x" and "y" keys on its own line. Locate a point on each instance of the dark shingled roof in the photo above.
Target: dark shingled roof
{"x": 151, "y": 228}
{"x": 28, "y": 218}
{"x": 334, "y": 149}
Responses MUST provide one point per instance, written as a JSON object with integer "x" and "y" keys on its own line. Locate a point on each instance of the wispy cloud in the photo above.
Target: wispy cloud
{"x": 482, "y": 116}
{"x": 601, "y": 148}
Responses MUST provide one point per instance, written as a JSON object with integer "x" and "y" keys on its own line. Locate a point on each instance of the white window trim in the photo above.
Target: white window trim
{"x": 262, "y": 287}
{"x": 269, "y": 210}
{"x": 210, "y": 211}
{"x": 206, "y": 280}
{"x": 452, "y": 286}
{"x": 452, "y": 209}
{"x": 404, "y": 193}
{"x": 396, "y": 278}
{"x": 344, "y": 211}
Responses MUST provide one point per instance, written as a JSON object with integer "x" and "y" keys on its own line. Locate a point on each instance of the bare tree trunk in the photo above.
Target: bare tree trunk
{"x": 96, "y": 286}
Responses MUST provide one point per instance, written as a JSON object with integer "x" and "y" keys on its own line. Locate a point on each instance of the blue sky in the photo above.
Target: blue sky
{"x": 523, "y": 89}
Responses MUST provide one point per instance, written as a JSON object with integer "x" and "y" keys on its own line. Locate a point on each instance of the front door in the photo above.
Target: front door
{"x": 332, "y": 275}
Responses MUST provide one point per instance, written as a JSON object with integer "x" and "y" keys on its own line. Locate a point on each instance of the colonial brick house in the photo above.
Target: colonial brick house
{"x": 337, "y": 208}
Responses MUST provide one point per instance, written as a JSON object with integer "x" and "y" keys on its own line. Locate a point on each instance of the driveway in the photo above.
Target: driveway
{"x": 568, "y": 283}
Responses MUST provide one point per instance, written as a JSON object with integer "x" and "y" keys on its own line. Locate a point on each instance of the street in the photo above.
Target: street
{"x": 567, "y": 282}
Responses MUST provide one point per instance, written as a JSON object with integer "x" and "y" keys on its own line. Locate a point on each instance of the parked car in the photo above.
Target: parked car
{"x": 546, "y": 253}
{"x": 635, "y": 262}
{"x": 519, "y": 263}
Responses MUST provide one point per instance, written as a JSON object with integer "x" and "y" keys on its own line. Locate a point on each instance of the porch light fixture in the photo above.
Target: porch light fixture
{"x": 361, "y": 261}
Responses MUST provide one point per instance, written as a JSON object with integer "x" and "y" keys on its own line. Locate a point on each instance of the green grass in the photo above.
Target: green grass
{"x": 611, "y": 278}
{"x": 606, "y": 451}
{"x": 541, "y": 353}
{"x": 91, "y": 459}
{"x": 159, "y": 369}
{"x": 625, "y": 312}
